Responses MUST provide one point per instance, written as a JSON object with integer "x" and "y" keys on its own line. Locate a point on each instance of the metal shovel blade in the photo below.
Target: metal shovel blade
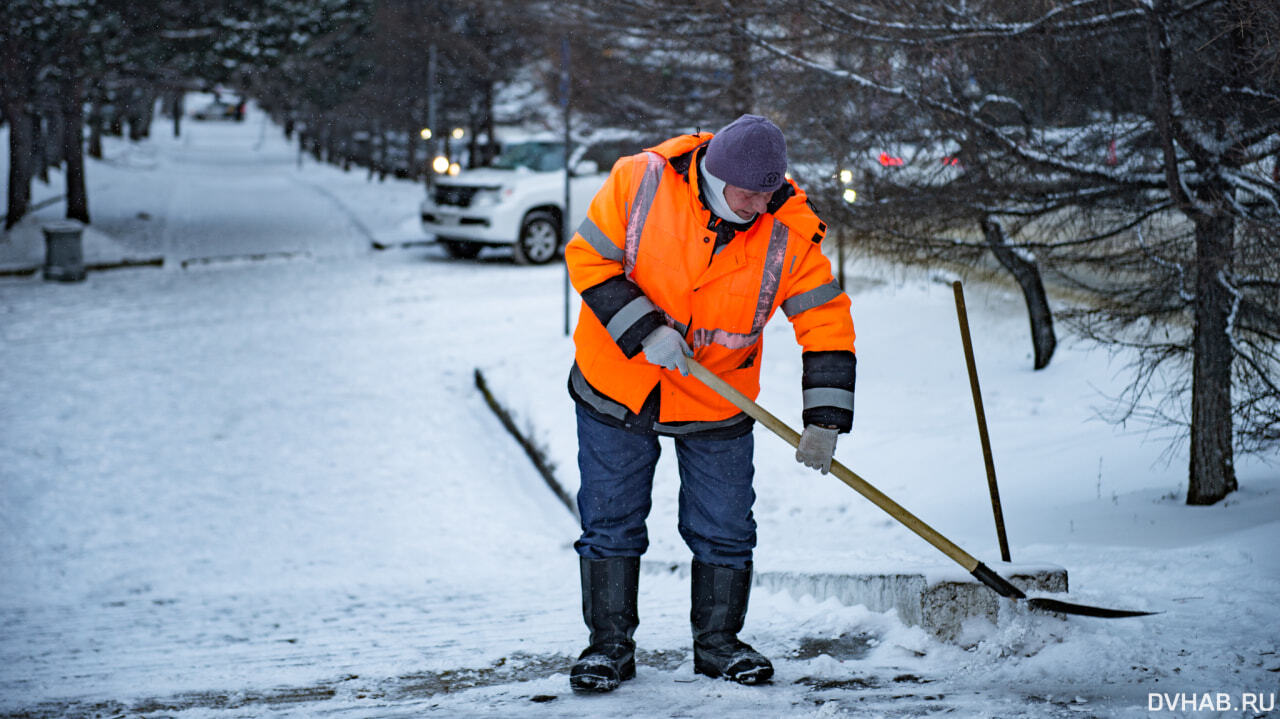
{"x": 1045, "y": 604}
{"x": 1005, "y": 588}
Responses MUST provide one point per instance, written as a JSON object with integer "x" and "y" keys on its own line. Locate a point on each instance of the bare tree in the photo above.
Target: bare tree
{"x": 20, "y": 38}
{"x": 1124, "y": 148}
{"x": 670, "y": 64}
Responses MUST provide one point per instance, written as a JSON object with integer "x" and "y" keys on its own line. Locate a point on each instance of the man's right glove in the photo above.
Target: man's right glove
{"x": 667, "y": 349}
{"x": 817, "y": 445}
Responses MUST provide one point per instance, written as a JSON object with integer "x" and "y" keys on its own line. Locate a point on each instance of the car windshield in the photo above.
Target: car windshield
{"x": 537, "y": 156}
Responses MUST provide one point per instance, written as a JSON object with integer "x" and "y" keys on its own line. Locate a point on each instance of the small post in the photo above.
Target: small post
{"x": 434, "y": 140}
{"x": 64, "y": 251}
{"x": 566, "y": 227}
{"x": 963, "y": 316}
{"x": 840, "y": 257}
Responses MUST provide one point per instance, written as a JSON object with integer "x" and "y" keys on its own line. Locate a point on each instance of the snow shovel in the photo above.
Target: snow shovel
{"x": 980, "y": 571}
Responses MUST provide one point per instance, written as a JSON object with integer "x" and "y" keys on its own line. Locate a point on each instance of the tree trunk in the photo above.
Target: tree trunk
{"x": 55, "y": 124}
{"x": 179, "y": 107}
{"x": 19, "y": 194}
{"x": 39, "y": 150}
{"x": 95, "y": 128}
{"x": 1027, "y": 273}
{"x": 1212, "y": 473}
{"x": 137, "y": 131}
{"x": 73, "y": 149}
{"x": 145, "y": 110}
{"x": 741, "y": 95}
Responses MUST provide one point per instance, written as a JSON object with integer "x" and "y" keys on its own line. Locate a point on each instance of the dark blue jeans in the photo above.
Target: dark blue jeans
{"x": 614, "y": 498}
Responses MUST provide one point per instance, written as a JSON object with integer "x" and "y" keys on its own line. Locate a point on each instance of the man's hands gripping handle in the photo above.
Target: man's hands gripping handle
{"x": 667, "y": 349}
{"x": 817, "y": 446}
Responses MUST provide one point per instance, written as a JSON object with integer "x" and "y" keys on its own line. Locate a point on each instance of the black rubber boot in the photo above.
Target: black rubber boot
{"x": 609, "y": 589}
{"x": 719, "y": 608}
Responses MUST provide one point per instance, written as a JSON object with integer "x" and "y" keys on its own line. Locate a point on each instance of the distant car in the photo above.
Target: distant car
{"x": 901, "y": 163}
{"x": 219, "y": 110}
{"x": 518, "y": 200}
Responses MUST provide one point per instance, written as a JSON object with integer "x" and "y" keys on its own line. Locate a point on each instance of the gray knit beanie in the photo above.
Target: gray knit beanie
{"x": 750, "y": 153}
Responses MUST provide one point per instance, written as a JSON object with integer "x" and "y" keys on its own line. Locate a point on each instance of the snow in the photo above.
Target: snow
{"x": 259, "y": 481}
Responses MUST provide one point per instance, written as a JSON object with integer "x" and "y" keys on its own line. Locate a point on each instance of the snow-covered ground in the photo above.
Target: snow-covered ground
{"x": 259, "y": 481}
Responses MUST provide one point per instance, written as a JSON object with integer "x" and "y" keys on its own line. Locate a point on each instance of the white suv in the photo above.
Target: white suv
{"x": 519, "y": 199}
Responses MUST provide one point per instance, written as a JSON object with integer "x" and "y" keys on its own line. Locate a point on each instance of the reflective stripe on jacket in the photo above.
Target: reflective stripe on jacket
{"x": 645, "y": 256}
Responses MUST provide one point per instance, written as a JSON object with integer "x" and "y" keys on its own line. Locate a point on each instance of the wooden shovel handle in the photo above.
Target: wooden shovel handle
{"x": 843, "y": 473}
{"x": 979, "y": 570}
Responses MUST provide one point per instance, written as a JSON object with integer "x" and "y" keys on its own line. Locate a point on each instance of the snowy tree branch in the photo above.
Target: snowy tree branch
{"x": 1165, "y": 101}
{"x": 1240, "y": 351}
{"x": 1057, "y": 18}
{"x": 1251, "y": 92}
{"x": 1172, "y": 266}
{"x": 992, "y": 132}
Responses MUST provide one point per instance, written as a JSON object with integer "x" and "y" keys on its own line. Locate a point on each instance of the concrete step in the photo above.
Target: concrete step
{"x": 939, "y": 599}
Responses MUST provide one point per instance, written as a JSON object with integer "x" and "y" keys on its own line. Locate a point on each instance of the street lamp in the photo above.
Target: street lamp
{"x": 440, "y": 164}
{"x": 425, "y": 133}
{"x": 458, "y": 132}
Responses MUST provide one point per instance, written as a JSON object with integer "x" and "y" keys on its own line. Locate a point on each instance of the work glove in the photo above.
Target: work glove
{"x": 667, "y": 349}
{"x": 817, "y": 445}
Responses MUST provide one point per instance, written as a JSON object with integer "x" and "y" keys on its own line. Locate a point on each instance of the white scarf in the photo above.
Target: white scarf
{"x": 715, "y": 195}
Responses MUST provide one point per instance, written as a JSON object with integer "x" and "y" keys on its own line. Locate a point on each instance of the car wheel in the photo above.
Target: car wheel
{"x": 460, "y": 250}
{"x": 539, "y": 239}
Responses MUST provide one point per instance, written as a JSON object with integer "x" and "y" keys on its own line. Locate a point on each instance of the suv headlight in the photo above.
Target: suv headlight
{"x": 490, "y": 196}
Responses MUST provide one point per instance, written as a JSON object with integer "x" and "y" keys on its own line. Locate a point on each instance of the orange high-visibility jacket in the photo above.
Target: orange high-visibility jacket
{"x": 645, "y": 256}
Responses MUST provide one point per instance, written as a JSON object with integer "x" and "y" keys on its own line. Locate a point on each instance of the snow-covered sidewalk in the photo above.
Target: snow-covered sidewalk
{"x": 270, "y": 488}
{"x": 222, "y": 192}
{"x": 1104, "y": 501}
